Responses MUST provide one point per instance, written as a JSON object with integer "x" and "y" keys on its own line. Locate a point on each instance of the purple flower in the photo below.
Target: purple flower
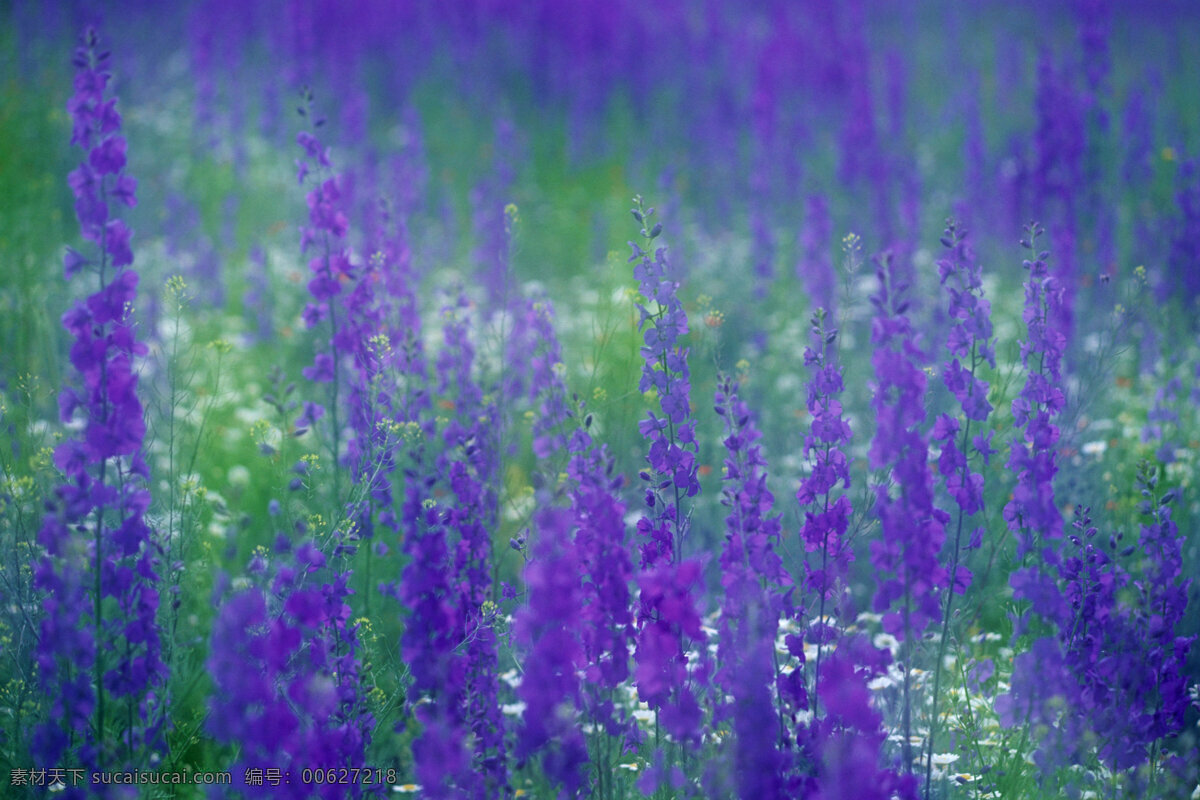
{"x": 99, "y": 644}
{"x": 754, "y": 580}
{"x": 1032, "y": 515}
{"x": 285, "y": 667}
{"x": 606, "y": 620}
{"x": 912, "y": 529}
{"x": 550, "y": 686}
{"x": 666, "y": 614}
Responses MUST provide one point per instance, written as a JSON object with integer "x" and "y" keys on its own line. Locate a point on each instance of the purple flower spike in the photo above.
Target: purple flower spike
{"x": 1032, "y": 515}
{"x": 912, "y": 528}
{"x": 667, "y": 617}
{"x": 99, "y": 650}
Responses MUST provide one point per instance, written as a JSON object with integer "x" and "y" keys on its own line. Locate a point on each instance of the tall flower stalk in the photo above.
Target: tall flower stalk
{"x": 1032, "y": 514}
{"x": 971, "y": 346}
{"x": 100, "y": 648}
{"x": 754, "y": 579}
{"x": 912, "y": 528}
{"x": 667, "y": 616}
{"x": 826, "y": 511}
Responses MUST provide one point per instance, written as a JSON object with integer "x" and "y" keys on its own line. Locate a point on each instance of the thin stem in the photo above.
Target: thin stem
{"x": 907, "y": 711}
{"x": 98, "y": 605}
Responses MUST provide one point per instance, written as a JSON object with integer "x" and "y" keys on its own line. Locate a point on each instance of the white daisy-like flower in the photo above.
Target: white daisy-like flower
{"x": 643, "y": 715}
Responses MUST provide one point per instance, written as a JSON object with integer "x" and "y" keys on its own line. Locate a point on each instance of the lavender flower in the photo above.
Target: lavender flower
{"x": 99, "y": 568}
{"x": 491, "y": 217}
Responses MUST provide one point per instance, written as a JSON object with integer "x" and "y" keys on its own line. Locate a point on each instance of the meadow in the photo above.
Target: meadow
{"x": 599, "y": 399}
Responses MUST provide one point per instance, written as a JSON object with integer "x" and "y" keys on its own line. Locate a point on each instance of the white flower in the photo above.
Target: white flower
{"x": 643, "y": 715}
{"x": 885, "y": 641}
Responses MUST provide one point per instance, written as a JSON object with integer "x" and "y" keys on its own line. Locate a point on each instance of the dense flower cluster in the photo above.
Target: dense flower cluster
{"x": 99, "y": 650}
{"x": 626, "y": 640}
{"x": 435, "y": 630}
{"x": 469, "y": 464}
{"x": 285, "y": 665}
{"x": 551, "y": 687}
{"x": 606, "y": 624}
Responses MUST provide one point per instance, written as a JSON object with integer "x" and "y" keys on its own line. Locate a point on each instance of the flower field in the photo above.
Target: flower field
{"x": 599, "y": 399}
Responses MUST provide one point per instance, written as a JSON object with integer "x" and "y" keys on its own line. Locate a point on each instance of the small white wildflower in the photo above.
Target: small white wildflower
{"x": 885, "y": 641}
{"x": 238, "y": 475}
